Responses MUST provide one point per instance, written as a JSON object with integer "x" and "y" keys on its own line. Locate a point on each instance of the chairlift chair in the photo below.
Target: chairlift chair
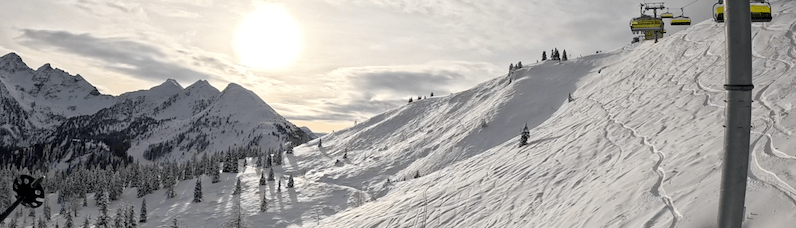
{"x": 681, "y": 20}
{"x": 760, "y": 11}
{"x": 667, "y": 14}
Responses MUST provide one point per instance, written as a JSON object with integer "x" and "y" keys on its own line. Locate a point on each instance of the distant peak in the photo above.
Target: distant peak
{"x": 12, "y": 61}
{"x": 203, "y": 85}
{"x": 11, "y": 56}
{"x": 170, "y": 83}
{"x": 46, "y": 66}
{"x": 233, "y": 86}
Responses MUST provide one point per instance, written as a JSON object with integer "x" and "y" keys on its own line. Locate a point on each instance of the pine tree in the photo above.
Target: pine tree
{"x": 570, "y": 99}
{"x": 519, "y": 64}
{"x": 345, "y": 154}
{"x": 86, "y": 224}
{"x": 417, "y": 174}
{"x": 279, "y": 185}
{"x": 103, "y": 220}
{"x": 69, "y": 223}
{"x": 432, "y": 94}
{"x": 320, "y": 142}
{"x": 118, "y": 221}
{"x": 237, "y": 187}
{"x": 525, "y": 135}
{"x": 174, "y": 224}
{"x": 271, "y": 174}
{"x": 544, "y": 56}
{"x": 410, "y": 100}
{"x": 565, "y": 55}
{"x": 143, "y": 211}
{"x": 131, "y": 221}
{"x": 511, "y": 67}
{"x": 290, "y": 181}
{"x": 262, "y": 179}
{"x": 263, "y": 204}
{"x": 197, "y": 192}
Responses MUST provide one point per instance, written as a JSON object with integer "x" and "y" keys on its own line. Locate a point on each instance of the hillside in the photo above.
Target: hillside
{"x": 639, "y": 147}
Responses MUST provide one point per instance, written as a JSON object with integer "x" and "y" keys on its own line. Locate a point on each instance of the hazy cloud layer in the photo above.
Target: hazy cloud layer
{"x": 120, "y": 55}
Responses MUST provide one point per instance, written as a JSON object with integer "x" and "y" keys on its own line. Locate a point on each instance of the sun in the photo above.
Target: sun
{"x": 268, "y": 38}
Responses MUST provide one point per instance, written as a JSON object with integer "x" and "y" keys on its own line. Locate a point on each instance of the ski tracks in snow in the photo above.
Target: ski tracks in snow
{"x": 656, "y": 189}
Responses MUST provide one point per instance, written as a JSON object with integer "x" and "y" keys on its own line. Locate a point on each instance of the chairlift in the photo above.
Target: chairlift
{"x": 682, "y": 19}
{"x": 667, "y": 14}
{"x": 760, "y": 11}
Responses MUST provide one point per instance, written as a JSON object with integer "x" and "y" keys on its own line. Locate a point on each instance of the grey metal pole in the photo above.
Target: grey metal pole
{"x": 738, "y": 26}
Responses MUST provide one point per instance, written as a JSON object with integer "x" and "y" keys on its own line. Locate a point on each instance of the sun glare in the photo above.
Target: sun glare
{"x": 268, "y": 39}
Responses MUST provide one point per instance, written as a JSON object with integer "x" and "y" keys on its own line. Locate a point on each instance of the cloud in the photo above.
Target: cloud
{"x": 116, "y": 54}
{"x": 358, "y": 93}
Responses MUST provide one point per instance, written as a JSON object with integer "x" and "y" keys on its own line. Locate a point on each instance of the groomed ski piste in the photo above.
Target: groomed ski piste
{"x": 640, "y": 146}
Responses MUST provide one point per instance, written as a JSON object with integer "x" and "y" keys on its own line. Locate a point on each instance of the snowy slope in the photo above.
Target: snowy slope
{"x": 639, "y": 147}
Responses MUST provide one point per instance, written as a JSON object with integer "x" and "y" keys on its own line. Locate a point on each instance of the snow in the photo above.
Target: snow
{"x": 640, "y": 146}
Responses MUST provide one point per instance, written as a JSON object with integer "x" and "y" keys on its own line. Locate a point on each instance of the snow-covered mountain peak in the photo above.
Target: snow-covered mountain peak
{"x": 169, "y": 84}
{"x": 12, "y": 62}
{"x": 45, "y": 67}
{"x": 202, "y": 87}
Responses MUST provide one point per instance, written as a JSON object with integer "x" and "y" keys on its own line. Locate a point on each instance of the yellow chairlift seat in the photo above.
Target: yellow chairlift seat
{"x": 681, "y": 20}
{"x": 760, "y": 11}
{"x": 667, "y": 15}
{"x": 646, "y": 23}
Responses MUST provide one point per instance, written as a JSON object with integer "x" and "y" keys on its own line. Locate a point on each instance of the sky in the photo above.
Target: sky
{"x": 325, "y": 64}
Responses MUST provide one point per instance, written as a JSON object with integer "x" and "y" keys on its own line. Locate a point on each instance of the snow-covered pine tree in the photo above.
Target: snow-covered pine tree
{"x": 525, "y": 135}
{"x": 131, "y": 221}
{"x": 118, "y": 221}
{"x": 143, "y": 211}
{"x": 519, "y": 65}
{"x": 259, "y": 162}
{"x": 263, "y": 204}
{"x": 271, "y": 174}
{"x": 544, "y": 56}
{"x": 565, "y": 55}
{"x": 86, "y": 224}
{"x": 216, "y": 177}
{"x": 279, "y": 185}
{"x": 511, "y": 67}
{"x": 262, "y": 178}
{"x": 227, "y": 162}
{"x": 103, "y": 220}
{"x": 197, "y": 192}
{"x": 69, "y": 223}
{"x": 237, "y": 187}
{"x": 290, "y": 181}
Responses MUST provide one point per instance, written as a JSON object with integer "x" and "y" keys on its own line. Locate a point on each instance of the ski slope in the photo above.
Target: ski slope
{"x": 640, "y": 146}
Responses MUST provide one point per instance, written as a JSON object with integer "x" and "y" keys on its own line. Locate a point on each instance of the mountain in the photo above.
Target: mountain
{"x": 309, "y": 132}
{"x": 61, "y": 117}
